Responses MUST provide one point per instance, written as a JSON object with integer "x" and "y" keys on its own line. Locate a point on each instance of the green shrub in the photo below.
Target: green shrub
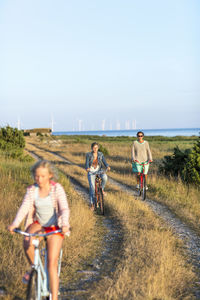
{"x": 191, "y": 170}
{"x": 174, "y": 164}
{"x": 103, "y": 150}
{"x": 39, "y": 134}
{"x": 12, "y": 143}
{"x": 185, "y": 164}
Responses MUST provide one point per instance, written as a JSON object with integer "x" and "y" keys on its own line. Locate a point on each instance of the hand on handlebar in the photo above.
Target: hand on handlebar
{"x": 66, "y": 230}
{"x": 11, "y": 228}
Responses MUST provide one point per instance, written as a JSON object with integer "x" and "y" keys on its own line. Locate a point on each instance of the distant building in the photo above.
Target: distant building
{"x": 37, "y": 131}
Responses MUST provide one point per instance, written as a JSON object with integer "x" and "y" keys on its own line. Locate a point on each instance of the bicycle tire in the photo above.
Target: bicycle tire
{"x": 31, "y": 293}
{"x": 144, "y": 188}
{"x": 101, "y": 201}
{"x": 140, "y": 185}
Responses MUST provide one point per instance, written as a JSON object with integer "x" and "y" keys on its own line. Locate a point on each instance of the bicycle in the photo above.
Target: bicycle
{"x": 38, "y": 284}
{"x": 142, "y": 181}
{"x": 99, "y": 203}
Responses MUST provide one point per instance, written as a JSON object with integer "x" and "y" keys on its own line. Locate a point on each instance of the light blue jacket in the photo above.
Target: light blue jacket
{"x": 90, "y": 158}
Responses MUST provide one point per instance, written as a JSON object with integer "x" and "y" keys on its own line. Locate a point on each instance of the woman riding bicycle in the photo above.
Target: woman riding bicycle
{"x": 141, "y": 154}
{"x": 46, "y": 209}
{"x": 94, "y": 163}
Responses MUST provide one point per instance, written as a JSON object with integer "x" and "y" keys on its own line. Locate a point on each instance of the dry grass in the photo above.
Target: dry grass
{"x": 153, "y": 265}
{"x": 83, "y": 244}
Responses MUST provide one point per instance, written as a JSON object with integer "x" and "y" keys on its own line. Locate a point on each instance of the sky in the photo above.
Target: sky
{"x": 91, "y": 65}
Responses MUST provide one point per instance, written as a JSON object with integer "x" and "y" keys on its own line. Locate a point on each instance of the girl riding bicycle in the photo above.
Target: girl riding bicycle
{"x": 141, "y": 154}
{"x": 46, "y": 209}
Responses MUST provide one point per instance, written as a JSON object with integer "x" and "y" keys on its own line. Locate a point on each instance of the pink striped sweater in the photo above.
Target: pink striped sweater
{"x": 27, "y": 209}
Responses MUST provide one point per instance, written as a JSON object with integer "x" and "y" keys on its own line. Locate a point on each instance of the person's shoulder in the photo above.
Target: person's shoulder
{"x": 31, "y": 187}
{"x": 88, "y": 153}
{"x": 58, "y": 186}
{"x": 100, "y": 153}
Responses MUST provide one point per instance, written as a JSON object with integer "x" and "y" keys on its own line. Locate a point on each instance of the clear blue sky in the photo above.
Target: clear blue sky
{"x": 100, "y": 60}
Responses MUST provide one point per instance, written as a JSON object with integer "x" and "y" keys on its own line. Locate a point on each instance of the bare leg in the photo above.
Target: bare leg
{"x": 54, "y": 244}
{"x": 146, "y": 178}
{"x": 28, "y": 246}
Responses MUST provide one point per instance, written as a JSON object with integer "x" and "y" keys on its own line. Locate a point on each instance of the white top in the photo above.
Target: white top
{"x": 93, "y": 170}
{"x": 45, "y": 211}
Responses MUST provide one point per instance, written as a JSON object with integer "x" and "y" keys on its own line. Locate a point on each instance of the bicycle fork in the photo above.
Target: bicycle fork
{"x": 42, "y": 278}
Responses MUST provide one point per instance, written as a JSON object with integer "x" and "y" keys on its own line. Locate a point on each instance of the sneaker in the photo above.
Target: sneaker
{"x": 147, "y": 188}
{"x": 26, "y": 277}
{"x": 137, "y": 186}
{"x": 92, "y": 207}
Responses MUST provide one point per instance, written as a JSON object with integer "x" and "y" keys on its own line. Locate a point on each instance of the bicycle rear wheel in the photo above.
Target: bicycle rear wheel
{"x": 32, "y": 288}
{"x": 101, "y": 201}
{"x": 144, "y": 188}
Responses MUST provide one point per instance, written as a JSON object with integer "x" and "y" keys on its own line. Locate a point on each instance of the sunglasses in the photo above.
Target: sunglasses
{"x": 140, "y": 135}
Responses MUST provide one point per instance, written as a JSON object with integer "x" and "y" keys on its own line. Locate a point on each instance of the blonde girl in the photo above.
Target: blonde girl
{"x": 46, "y": 209}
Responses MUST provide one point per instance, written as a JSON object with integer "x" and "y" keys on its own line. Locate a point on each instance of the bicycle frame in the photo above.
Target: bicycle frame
{"x": 142, "y": 181}
{"x": 42, "y": 271}
{"x": 99, "y": 192}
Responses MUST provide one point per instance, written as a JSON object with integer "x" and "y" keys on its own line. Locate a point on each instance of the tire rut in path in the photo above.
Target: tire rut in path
{"x": 103, "y": 265}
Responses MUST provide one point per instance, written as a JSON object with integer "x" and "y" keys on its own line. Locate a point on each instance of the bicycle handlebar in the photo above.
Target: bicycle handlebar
{"x": 17, "y": 230}
{"x": 144, "y": 163}
{"x": 100, "y": 172}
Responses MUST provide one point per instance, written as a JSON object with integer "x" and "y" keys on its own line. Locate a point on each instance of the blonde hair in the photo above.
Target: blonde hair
{"x": 44, "y": 164}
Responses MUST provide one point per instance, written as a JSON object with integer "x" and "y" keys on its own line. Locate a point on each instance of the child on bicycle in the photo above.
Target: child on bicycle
{"x": 46, "y": 209}
{"x": 141, "y": 153}
{"x": 94, "y": 162}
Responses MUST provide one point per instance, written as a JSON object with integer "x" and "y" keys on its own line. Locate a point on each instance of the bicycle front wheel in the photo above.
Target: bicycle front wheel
{"x": 101, "y": 202}
{"x": 144, "y": 188}
{"x": 32, "y": 288}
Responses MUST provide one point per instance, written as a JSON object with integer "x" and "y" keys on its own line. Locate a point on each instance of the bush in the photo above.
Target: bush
{"x": 191, "y": 170}
{"x": 174, "y": 164}
{"x": 12, "y": 143}
{"x": 103, "y": 150}
{"x": 185, "y": 164}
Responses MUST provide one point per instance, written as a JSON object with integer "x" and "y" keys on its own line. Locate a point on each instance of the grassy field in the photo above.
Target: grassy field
{"x": 153, "y": 264}
{"x": 181, "y": 199}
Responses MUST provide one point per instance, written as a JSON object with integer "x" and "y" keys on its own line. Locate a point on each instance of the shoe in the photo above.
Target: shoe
{"x": 104, "y": 193}
{"x": 137, "y": 186}
{"x": 147, "y": 188}
{"x": 92, "y": 207}
{"x": 26, "y": 277}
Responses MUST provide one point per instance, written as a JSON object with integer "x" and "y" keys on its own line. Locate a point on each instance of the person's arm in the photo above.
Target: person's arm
{"x": 63, "y": 207}
{"x": 105, "y": 162}
{"x": 149, "y": 152}
{"x": 133, "y": 153}
{"x": 22, "y": 212}
{"x": 87, "y": 167}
